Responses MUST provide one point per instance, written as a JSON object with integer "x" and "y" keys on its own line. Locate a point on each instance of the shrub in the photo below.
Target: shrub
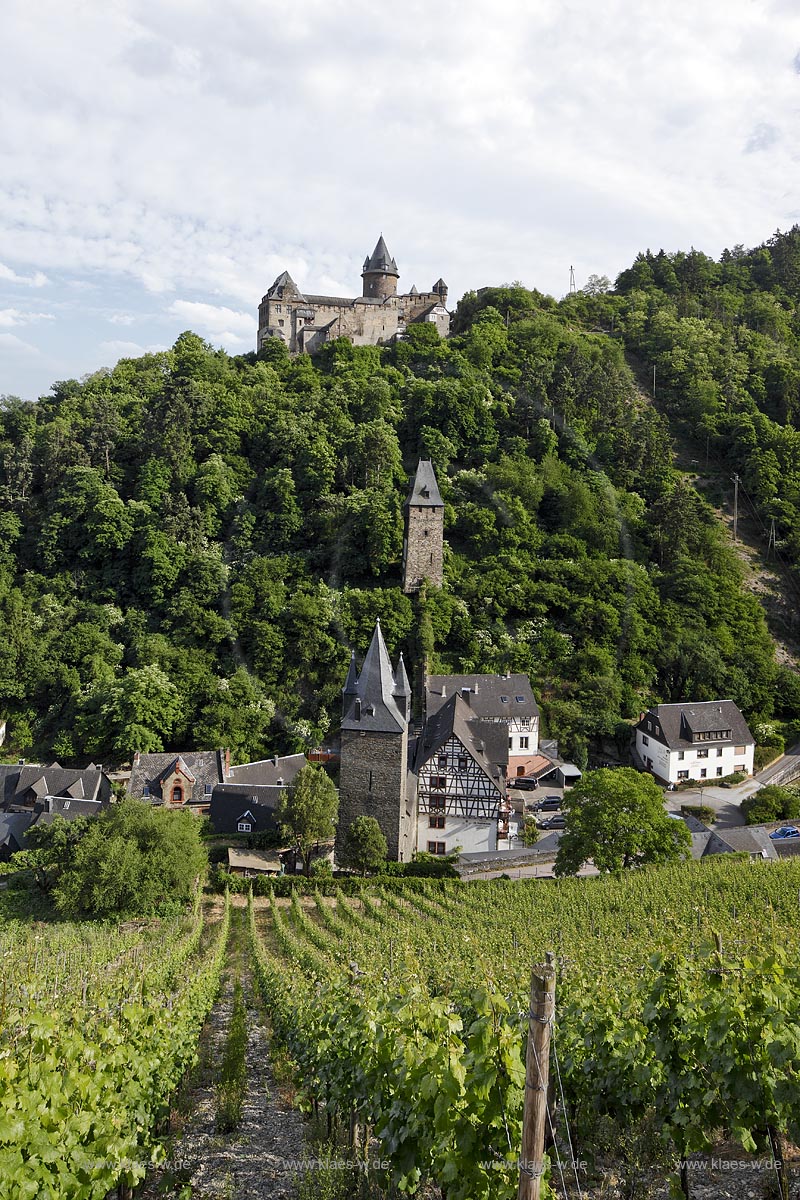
{"x": 771, "y": 803}
{"x": 703, "y": 812}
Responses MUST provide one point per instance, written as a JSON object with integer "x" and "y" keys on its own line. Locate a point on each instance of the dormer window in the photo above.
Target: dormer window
{"x": 504, "y": 699}
{"x": 520, "y": 699}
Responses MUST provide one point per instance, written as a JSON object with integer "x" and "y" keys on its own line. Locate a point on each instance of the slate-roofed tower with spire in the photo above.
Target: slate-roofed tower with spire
{"x": 423, "y": 545}
{"x": 374, "y": 779}
{"x": 380, "y": 273}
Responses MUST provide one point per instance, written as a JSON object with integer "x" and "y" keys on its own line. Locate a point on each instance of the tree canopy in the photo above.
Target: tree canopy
{"x": 307, "y": 811}
{"x": 132, "y": 860}
{"x": 616, "y": 819}
{"x": 365, "y": 847}
{"x": 191, "y": 542}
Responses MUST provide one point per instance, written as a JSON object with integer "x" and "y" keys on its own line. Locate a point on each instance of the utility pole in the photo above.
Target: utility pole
{"x": 772, "y": 548}
{"x": 572, "y": 288}
{"x": 654, "y": 381}
{"x": 735, "y": 507}
{"x": 537, "y": 1074}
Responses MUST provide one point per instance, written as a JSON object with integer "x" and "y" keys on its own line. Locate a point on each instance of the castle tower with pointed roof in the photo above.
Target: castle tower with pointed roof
{"x": 374, "y": 780}
{"x": 423, "y": 545}
{"x": 304, "y": 322}
{"x": 380, "y": 272}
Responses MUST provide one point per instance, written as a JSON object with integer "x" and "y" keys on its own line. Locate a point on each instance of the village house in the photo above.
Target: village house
{"x": 694, "y": 740}
{"x": 184, "y": 780}
{"x": 461, "y": 791}
{"x": 34, "y": 787}
{"x": 505, "y": 700}
{"x": 246, "y": 802}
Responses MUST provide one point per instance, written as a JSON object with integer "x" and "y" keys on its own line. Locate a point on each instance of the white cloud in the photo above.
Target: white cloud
{"x": 7, "y": 275}
{"x": 196, "y": 151}
{"x": 16, "y": 345}
{"x": 14, "y": 316}
{"x": 122, "y": 349}
{"x": 231, "y": 328}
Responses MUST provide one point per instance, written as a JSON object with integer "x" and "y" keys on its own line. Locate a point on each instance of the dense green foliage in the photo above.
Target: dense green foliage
{"x": 412, "y": 1017}
{"x": 617, "y": 819}
{"x": 306, "y": 811}
{"x": 189, "y": 543}
{"x": 364, "y": 847}
{"x": 771, "y": 803}
{"x": 98, "y": 1029}
{"x": 132, "y": 860}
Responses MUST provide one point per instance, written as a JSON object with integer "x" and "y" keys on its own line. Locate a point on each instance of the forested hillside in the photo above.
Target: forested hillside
{"x": 191, "y": 543}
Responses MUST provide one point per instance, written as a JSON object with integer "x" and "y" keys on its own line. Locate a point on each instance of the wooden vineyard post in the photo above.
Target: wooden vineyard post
{"x": 537, "y": 1073}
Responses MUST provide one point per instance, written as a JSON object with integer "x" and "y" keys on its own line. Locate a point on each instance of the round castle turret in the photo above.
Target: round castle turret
{"x": 380, "y": 273}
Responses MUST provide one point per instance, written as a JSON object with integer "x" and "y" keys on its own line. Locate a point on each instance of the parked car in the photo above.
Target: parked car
{"x": 553, "y": 823}
{"x": 526, "y": 782}
{"x": 549, "y": 804}
{"x": 786, "y": 831}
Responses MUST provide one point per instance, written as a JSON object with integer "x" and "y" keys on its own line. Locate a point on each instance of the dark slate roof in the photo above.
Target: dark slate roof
{"x": 747, "y": 839}
{"x": 284, "y": 288}
{"x": 13, "y": 827}
{"x": 338, "y": 301}
{"x": 65, "y": 806}
{"x": 372, "y": 706}
{"x": 380, "y": 260}
{"x": 485, "y": 741}
{"x": 485, "y": 695}
{"x": 268, "y": 771}
{"x": 705, "y": 716}
{"x": 401, "y": 685}
{"x": 424, "y": 488}
{"x": 206, "y": 767}
{"x": 230, "y": 805}
{"x": 8, "y": 784}
{"x": 37, "y": 781}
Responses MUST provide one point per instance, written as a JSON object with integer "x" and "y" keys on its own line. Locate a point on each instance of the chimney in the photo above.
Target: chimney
{"x": 358, "y": 708}
{"x": 274, "y": 760}
{"x": 136, "y": 759}
{"x": 465, "y": 694}
{"x": 444, "y": 690}
{"x": 227, "y": 763}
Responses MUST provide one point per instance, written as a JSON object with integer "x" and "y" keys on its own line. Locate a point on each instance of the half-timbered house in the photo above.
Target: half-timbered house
{"x": 461, "y": 792}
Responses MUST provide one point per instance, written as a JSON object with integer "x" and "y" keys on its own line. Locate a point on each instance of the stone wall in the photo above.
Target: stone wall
{"x": 373, "y": 783}
{"x": 302, "y": 323}
{"x": 423, "y": 549}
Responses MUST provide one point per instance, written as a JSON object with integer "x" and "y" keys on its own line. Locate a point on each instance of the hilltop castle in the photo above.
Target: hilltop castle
{"x": 379, "y": 314}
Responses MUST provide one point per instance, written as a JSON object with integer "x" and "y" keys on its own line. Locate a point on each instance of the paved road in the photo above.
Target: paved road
{"x": 788, "y": 766}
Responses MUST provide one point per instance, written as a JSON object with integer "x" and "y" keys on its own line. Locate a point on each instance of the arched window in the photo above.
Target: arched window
{"x": 177, "y": 794}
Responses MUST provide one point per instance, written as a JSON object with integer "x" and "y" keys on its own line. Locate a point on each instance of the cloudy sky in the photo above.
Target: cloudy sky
{"x": 161, "y": 161}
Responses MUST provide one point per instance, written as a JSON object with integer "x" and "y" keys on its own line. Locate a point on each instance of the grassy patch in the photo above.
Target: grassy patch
{"x": 233, "y": 1073}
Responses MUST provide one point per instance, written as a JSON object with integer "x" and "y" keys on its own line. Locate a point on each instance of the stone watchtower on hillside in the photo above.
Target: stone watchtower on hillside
{"x": 423, "y": 545}
{"x": 376, "y": 709}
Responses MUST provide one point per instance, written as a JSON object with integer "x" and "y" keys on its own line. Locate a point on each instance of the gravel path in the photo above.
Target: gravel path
{"x": 261, "y": 1158}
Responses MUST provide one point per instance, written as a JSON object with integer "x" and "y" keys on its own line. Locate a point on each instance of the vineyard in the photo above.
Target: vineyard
{"x": 678, "y": 1016}
{"x": 97, "y": 1027}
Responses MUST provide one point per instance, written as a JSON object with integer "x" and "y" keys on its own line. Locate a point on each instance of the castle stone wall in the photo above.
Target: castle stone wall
{"x": 374, "y": 783}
